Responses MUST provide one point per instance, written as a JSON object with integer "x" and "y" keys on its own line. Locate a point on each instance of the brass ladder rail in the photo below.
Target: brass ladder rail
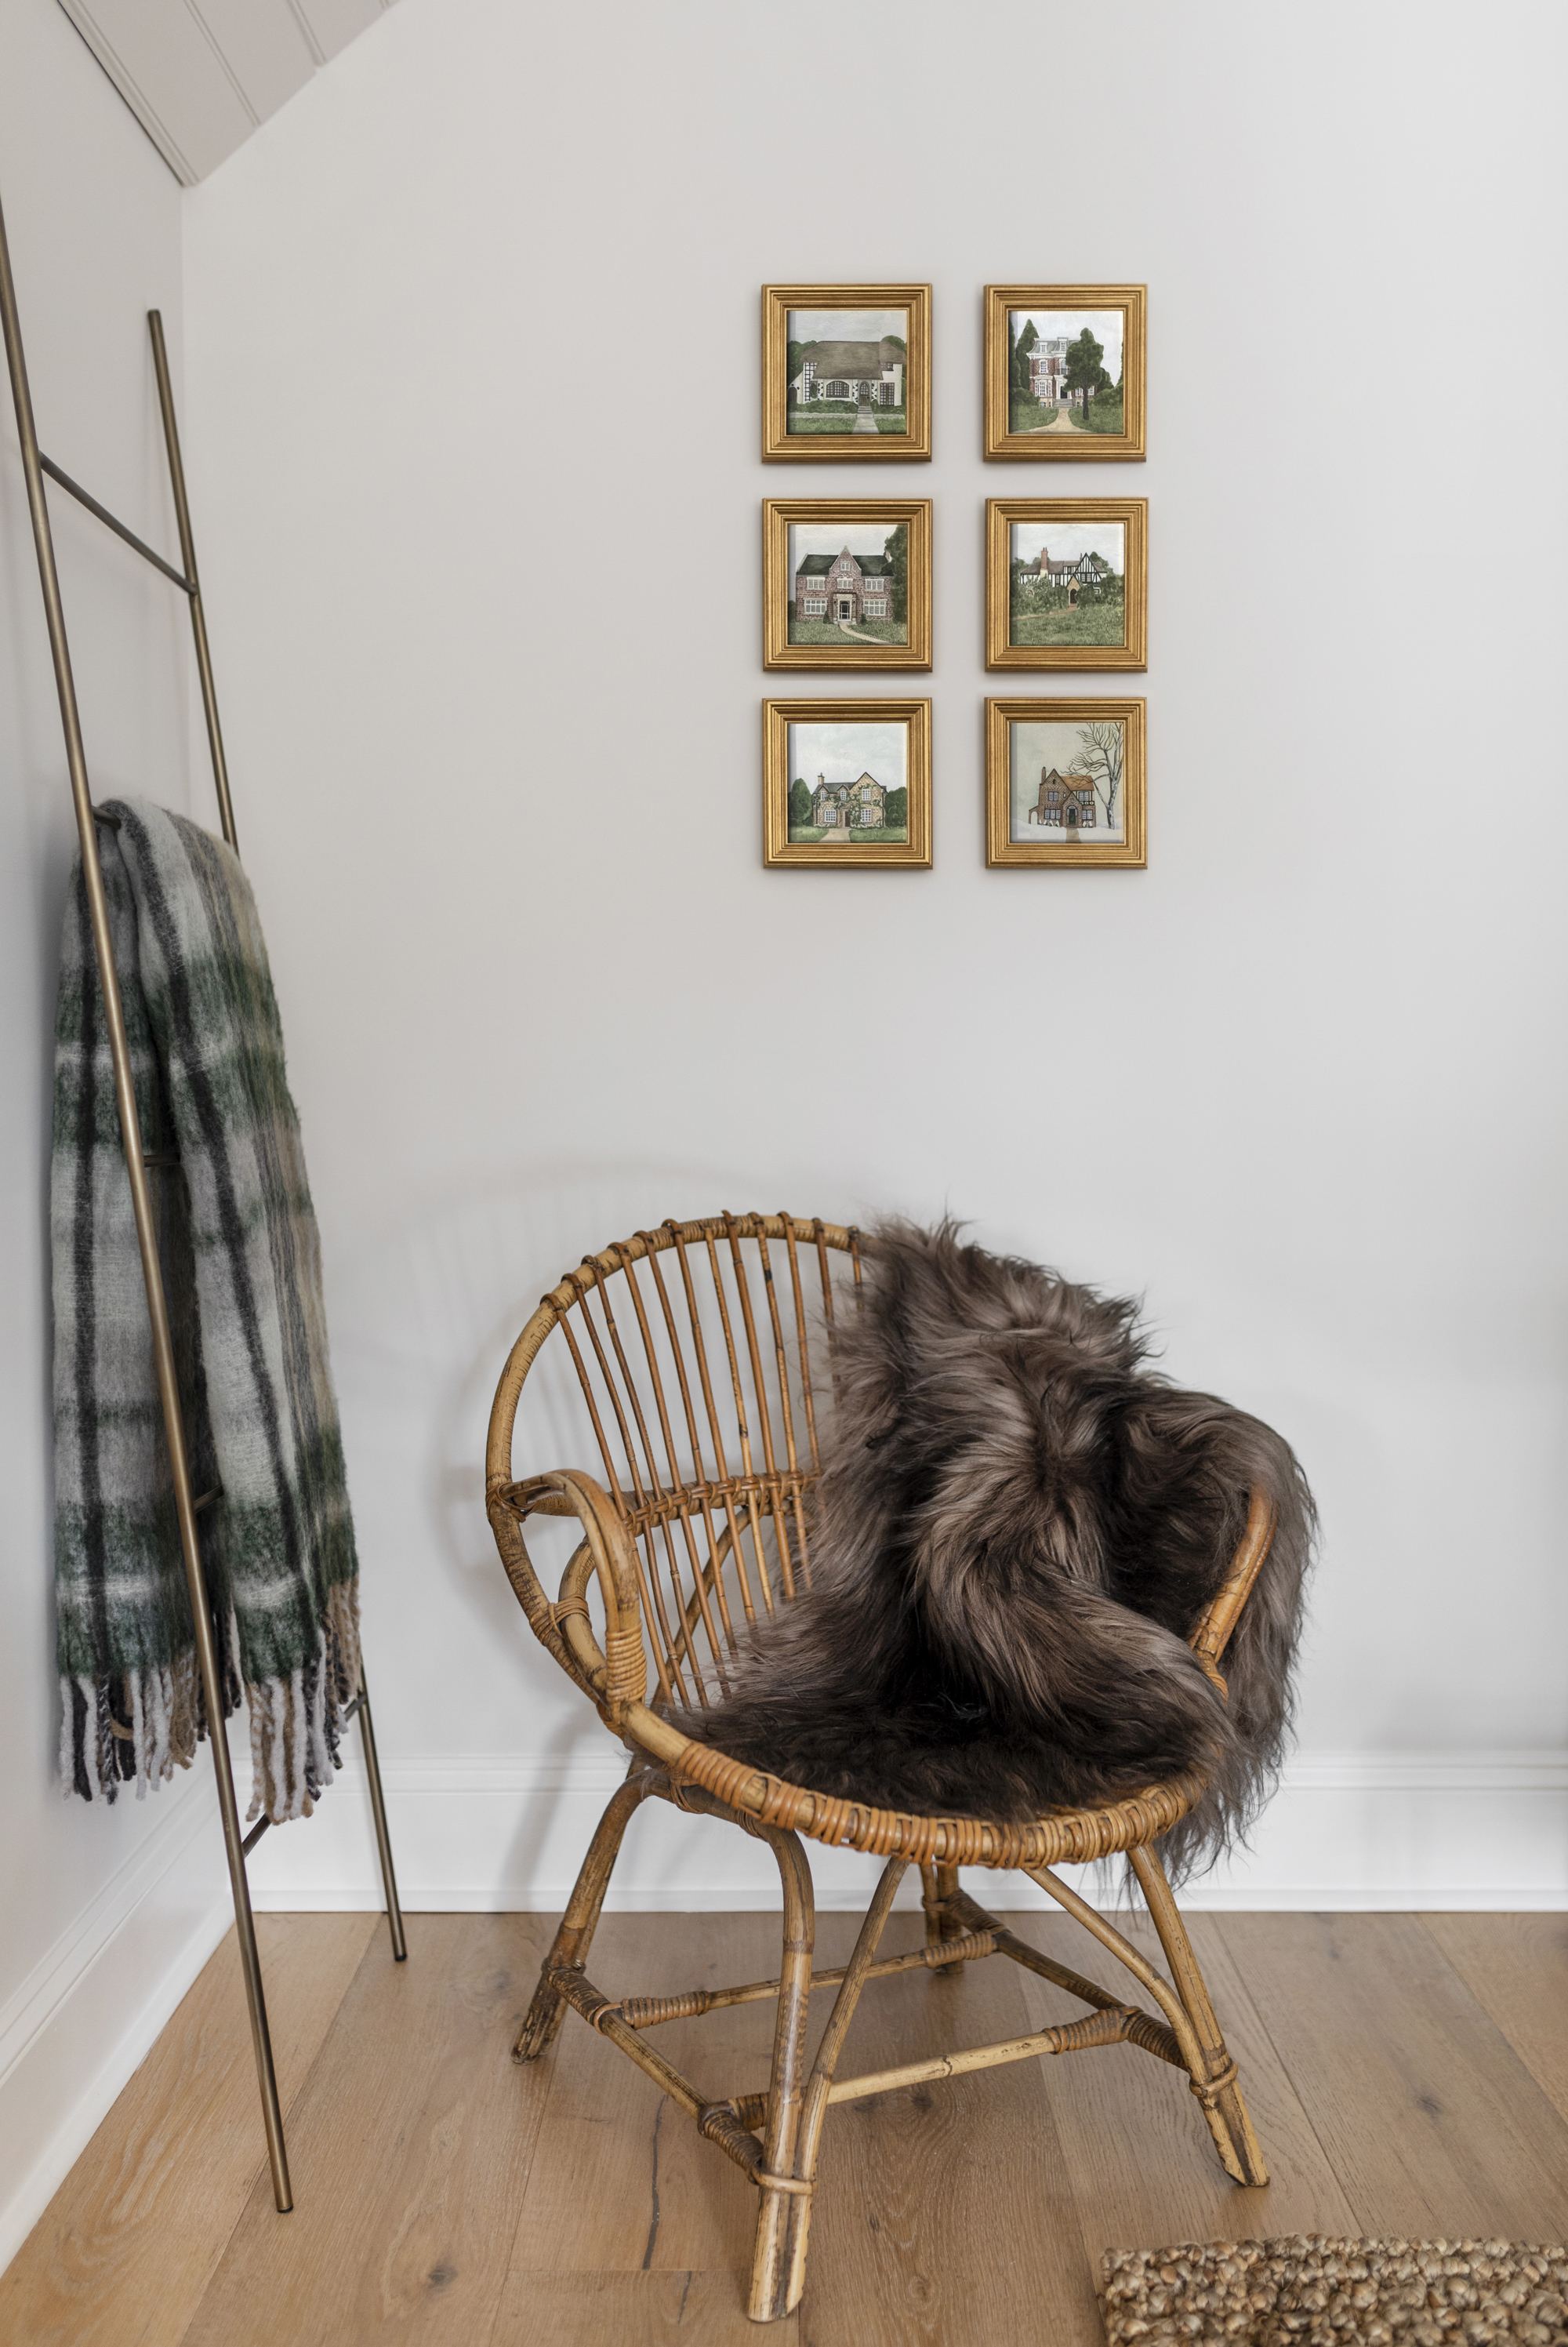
{"x": 34, "y": 466}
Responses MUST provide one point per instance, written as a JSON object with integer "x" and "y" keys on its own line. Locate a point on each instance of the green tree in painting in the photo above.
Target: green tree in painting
{"x": 799, "y": 805}
{"x": 794, "y": 355}
{"x": 1085, "y": 372}
{"x": 896, "y": 811}
{"x": 1026, "y": 342}
{"x": 896, "y": 549}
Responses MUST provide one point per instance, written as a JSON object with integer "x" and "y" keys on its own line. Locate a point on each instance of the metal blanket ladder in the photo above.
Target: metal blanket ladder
{"x": 34, "y": 466}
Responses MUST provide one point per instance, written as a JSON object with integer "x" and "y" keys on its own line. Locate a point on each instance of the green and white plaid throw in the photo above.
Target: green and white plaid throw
{"x": 242, "y": 1267}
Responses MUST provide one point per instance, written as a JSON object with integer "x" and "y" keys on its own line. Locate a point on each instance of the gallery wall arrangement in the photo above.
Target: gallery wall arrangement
{"x": 847, "y": 581}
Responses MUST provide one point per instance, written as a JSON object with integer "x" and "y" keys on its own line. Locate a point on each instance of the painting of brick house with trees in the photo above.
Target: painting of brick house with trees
{"x": 1064, "y": 372}
{"x": 849, "y": 582}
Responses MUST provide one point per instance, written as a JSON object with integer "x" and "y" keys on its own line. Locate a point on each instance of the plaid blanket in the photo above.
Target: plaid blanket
{"x": 242, "y": 1272}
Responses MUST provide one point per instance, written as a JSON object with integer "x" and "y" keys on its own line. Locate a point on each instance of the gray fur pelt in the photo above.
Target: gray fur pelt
{"x": 1017, "y": 1529}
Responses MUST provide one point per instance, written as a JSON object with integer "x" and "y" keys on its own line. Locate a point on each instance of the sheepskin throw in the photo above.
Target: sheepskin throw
{"x": 1017, "y": 1529}
{"x": 1313, "y": 2291}
{"x": 241, "y": 1269}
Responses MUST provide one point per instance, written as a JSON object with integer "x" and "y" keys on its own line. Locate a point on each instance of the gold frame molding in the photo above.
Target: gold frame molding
{"x": 779, "y": 514}
{"x": 778, "y": 716}
{"x": 1073, "y": 447}
{"x": 1002, "y": 652}
{"x": 1001, "y": 848}
{"x": 913, "y": 447}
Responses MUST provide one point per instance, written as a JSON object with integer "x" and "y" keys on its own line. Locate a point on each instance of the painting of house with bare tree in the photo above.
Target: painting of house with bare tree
{"x": 1066, "y": 782}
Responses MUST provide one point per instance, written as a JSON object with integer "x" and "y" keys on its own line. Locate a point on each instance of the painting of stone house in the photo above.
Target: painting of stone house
{"x": 860, "y": 805}
{"x": 849, "y": 782}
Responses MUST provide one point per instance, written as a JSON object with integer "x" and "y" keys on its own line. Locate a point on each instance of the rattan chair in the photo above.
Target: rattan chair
{"x": 689, "y": 1346}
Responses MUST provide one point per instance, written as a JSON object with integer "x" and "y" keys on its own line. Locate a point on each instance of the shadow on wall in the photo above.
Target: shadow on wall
{"x": 424, "y": 1311}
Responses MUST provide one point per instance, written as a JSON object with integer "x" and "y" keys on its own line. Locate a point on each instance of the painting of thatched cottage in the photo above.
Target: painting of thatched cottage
{"x": 850, "y": 807}
{"x": 1065, "y": 801}
{"x": 843, "y": 586}
{"x": 871, "y": 374}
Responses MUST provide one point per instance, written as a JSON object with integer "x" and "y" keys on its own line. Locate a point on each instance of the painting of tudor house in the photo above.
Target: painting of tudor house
{"x": 1066, "y": 801}
{"x": 844, "y": 586}
{"x": 1084, "y": 570}
{"x": 871, "y": 372}
{"x": 850, "y": 807}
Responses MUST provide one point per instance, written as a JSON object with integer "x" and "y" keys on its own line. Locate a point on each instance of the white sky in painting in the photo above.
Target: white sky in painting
{"x": 1034, "y": 746}
{"x": 851, "y": 325}
{"x": 842, "y": 754}
{"x": 1068, "y": 540}
{"x": 1105, "y": 325}
{"x": 861, "y": 538}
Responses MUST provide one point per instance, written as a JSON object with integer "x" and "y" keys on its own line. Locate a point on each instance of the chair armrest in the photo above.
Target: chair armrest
{"x": 1210, "y": 1638}
{"x": 618, "y": 1675}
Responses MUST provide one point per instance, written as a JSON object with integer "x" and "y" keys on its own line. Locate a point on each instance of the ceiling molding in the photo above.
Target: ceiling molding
{"x": 201, "y": 76}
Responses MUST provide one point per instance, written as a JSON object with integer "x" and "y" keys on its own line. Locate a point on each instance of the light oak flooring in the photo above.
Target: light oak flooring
{"x": 1408, "y": 2076}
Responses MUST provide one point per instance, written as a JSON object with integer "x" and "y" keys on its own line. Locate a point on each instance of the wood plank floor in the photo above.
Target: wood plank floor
{"x": 1408, "y": 2074}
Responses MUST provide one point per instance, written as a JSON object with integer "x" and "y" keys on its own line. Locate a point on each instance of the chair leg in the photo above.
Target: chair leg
{"x": 1218, "y": 2089}
{"x": 808, "y": 2141}
{"x": 782, "y": 2200}
{"x": 938, "y": 1884}
{"x": 575, "y": 1937}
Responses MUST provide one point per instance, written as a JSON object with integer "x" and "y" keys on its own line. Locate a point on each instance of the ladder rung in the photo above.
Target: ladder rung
{"x": 76, "y": 490}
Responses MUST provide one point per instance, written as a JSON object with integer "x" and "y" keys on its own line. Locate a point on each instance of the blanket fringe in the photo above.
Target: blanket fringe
{"x": 141, "y": 1725}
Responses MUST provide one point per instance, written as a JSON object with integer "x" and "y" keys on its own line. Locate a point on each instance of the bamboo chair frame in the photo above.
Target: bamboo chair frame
{"x": 682, "y": 1543}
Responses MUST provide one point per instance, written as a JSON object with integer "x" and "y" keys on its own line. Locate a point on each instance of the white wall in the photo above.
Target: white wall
{"x": 104, "y": 1913}
{"x": 1299, "y": 1083}
{"x": 458, "y": 315}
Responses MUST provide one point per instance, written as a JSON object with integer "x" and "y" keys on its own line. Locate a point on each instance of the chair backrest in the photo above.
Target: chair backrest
{"x": 691, "y": 1347}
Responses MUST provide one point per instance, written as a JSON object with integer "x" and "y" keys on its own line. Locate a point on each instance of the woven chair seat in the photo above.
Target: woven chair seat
{"x": 1062, "y": 1838}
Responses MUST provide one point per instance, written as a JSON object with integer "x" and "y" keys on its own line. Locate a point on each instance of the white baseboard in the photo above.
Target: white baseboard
{"x": 91, "y": 2009}
{"x": 1346, "y": 1829}
{"x": 489, "y": 1832}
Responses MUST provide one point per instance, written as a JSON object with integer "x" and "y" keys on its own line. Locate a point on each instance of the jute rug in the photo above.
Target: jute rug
{"x": 1311, "y": 2292}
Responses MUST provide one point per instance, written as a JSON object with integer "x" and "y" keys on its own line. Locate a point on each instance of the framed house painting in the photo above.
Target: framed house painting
{"x": 847, "y": 373}
{"x": 847, "y": 783}
{"x": 847, "y": 582}
{"x": 1064, "y": 373}
{"x": 1065, "y": 783}
{"x": 1067, "y": 582}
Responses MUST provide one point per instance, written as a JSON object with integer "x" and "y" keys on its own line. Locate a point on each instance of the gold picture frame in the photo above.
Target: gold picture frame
{"x": 1085, "y": 606}
{"x": 832, "y": 587}
{"x": 873, "y": 373}
{"x": 1084, "y": 426}
{"x": 889, "y": 742}
{"x": 1091, "y": 804}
